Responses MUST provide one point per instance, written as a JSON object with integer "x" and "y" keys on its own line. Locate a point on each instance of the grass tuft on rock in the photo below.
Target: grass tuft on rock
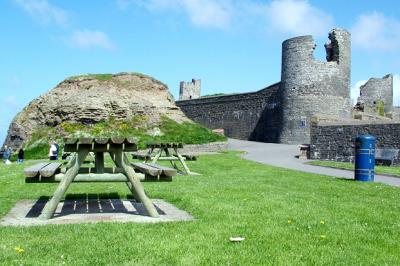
{"x": 101, "y": 77}
{"x": 166, "y": 130}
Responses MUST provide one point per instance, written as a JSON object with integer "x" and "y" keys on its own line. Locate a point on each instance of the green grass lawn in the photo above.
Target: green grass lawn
{"x": 287, "y": 218}
{"x": 391, "y": 170}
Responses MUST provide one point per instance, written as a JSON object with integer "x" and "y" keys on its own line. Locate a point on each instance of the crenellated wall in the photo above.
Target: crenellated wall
{"x": 190, "y": 90}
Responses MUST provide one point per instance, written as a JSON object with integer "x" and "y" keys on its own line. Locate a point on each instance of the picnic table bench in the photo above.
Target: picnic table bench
{"x": 74, "y": 171}
{"x": 386, "y": 156}
{"x": 166, "y": 151}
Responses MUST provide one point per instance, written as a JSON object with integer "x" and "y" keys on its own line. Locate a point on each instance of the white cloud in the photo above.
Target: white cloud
{"x": 396, "y": 90}
{"x": 90, "y": 38}
{"x": 202, "y": 13}
{"x": 355, "y": 90}
{"x": 43, "y": 11}
{"x": 209, "y": 13}
{"x": 298, "y": 17}
{"x": 375, "y": 31}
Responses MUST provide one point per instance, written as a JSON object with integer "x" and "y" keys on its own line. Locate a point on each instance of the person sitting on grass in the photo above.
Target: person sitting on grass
{"x": 53, "y": 151}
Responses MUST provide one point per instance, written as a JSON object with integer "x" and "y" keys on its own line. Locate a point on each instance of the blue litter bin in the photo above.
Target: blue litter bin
{"x": 365, "y": 158}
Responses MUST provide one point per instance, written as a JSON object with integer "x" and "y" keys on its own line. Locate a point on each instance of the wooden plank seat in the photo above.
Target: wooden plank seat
{"x": 386, "y": 156}
{"x": 167, "y": 171}
{"x": 155, "y": 172}
{"x": 33, "y": 171}
{"x": 41, "y": 170}
{"x": 147, "y": 169}
{"x": 50, "y": 169}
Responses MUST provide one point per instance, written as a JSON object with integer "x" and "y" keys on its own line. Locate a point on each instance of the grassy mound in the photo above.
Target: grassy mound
{"x": 166, "y": 131}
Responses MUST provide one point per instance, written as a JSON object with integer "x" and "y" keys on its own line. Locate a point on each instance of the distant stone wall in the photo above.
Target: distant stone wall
{"x": 336, "y": 142}
{"x": 377, "y": 89}
{"x": 250, "y": 116}
{"x": 205, "y": 148}
{"x": 396, "y": 112}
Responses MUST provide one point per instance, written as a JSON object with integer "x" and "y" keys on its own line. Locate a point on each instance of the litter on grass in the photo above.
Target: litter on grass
{"x": 236, "y": 239}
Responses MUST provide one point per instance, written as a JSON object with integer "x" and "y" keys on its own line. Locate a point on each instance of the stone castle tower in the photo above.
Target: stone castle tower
{"x": 310, "y": 87}
{"x": 190, "y": 90}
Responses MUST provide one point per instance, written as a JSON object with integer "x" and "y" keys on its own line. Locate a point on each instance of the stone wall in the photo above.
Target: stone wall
{"x": 377, "y": 89}
{"x": 396, "y": 112}
{"x": 218, "y": 146}
{"x": 336, "y": 141}
{"x": 190, "y": 90}
{"x": 310, "y": 87}
{"x": 251, "y": 116}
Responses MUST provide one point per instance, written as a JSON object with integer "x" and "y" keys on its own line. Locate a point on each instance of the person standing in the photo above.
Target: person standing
{"x": 57, "y": 149}
{"x": 7, "y": 154}
{"x": 53, "y": 151}
{"x": 20, "y": 156}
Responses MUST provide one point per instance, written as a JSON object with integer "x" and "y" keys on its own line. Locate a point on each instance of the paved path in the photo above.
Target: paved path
{"x": 283, "y": 155}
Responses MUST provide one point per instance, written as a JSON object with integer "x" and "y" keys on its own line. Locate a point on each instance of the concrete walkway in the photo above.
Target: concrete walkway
{"x": 283, "y": 155}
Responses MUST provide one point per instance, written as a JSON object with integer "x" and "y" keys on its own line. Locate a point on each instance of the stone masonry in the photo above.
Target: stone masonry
{"x": 310, "y": 87}
{"x": 375, "y": 90}
{"x": 190, "y": 90}
{"x": 253, "y": 116}
{"x": 336, "y": 141}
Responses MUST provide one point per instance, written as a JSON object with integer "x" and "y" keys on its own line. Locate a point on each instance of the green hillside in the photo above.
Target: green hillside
{"x": 167, "y": 130}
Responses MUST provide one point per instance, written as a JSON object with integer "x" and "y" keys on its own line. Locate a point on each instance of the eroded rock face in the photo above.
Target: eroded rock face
{"x": 88, "y": 100}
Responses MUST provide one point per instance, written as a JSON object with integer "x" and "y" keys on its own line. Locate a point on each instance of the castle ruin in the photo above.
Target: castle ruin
{"x": 310, "y": 90}
{"x": 376, "y": 96}
{"x": 189, "y": 90}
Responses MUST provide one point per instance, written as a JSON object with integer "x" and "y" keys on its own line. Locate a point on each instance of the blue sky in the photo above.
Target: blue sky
{"x": 232, "y": 45}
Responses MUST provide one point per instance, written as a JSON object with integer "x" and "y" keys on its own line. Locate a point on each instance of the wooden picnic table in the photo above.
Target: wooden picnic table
{"x": 117, "y": 147}
{"x": 160, "y": 151}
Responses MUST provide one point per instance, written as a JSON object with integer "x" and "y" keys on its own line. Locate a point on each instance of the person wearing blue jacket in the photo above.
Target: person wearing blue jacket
{"x": 6, "y": 154}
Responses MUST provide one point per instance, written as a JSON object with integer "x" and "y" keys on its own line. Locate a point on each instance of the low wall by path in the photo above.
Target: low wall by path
{"x": 197, "y": 149}
{"x": 336, "y": 142}
{"x": 205, "y": 148}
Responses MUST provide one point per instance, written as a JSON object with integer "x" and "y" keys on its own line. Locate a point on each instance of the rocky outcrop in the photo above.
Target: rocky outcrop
{"x": 89, "y": 99}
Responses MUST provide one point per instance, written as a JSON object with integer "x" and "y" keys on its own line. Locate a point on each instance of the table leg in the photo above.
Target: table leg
{"x": 129, "y": 185}
{"x": 149, "y": 154}
{"x": 99, "y": 162}
{"x": 51, "y": 206}
{"x": 71, "y": 162}
{"x": 169, "y": 155}
{"x": 121, "y": 160}
{"x": 155, "y": 159}
{"x": 182, "y": 160}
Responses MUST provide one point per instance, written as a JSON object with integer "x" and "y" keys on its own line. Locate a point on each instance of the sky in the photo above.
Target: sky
{"x": 231, "y": 45}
